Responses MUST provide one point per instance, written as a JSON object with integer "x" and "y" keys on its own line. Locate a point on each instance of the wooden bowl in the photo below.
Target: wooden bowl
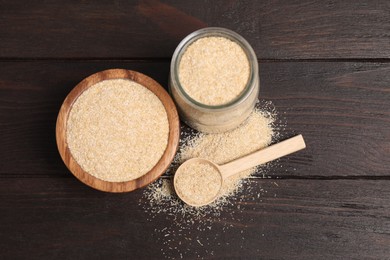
{"x": 162, "y": 164}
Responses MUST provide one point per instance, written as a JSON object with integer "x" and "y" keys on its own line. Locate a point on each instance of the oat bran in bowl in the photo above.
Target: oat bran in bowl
{"x": 117, "y": 130}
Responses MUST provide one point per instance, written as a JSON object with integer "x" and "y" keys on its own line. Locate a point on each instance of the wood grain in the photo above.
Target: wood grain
{"x": 151, "y": 28}
{"x": 341, "y": 108}
{"x": 323, "y": 64}
{"x": 294, "y": 219}
{"x": 162, "y": 164}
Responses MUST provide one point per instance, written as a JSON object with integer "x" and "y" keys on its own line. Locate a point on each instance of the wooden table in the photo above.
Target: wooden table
{"x": 324, "y": 65}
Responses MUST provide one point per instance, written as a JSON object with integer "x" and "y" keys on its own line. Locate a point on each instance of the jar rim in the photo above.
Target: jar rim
{"x": 210, "y": 32}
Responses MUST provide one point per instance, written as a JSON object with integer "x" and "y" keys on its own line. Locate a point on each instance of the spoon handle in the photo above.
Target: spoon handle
{"x": 265, "y": 155}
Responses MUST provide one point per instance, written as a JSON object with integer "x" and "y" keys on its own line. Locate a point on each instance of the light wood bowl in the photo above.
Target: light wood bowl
{"x": 162, "y": 164}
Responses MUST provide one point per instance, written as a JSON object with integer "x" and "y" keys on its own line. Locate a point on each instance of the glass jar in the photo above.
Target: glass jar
{"x": 219, "y": 118}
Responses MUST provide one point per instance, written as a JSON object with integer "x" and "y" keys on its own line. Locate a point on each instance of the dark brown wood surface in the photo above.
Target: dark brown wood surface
{"x": 295, "y": 219}
{"x": 341, "y": 108}
{"x": 152, "y": 28}
{"x": 324, "y": 65}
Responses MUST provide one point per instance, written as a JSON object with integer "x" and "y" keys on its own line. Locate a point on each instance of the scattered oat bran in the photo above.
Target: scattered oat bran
{"x": 254, "y": 134}
{"x": 214, "y": 70}
{"x": 197, "y": 183}
{"x": 186, "y": 225}
{"x": 117, "y": 130}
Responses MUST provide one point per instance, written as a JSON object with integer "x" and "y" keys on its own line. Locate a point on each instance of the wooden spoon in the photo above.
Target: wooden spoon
{"x": 229, "y": 169}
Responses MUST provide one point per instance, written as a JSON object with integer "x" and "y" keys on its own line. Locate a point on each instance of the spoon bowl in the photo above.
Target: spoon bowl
{"x": 187, "y": 194}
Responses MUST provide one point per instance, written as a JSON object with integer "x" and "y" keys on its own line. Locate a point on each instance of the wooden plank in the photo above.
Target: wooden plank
{"x": 29, "y": 104}
{"x": 342, "y": 110}
{"x": 152, "y": 28}
{"x": 301, "y": 219}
